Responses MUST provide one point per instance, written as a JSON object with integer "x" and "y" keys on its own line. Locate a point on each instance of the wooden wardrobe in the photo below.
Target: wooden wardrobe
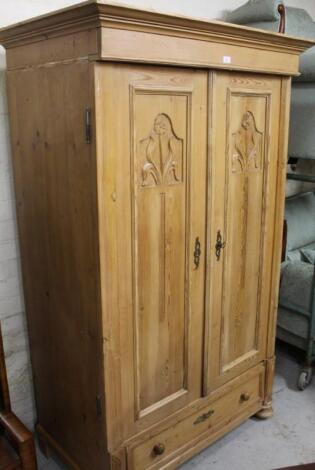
{"x": 149, "y": 157}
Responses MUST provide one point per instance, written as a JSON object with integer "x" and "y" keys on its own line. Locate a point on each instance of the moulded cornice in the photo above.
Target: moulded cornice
{"x": 97, "y": 13}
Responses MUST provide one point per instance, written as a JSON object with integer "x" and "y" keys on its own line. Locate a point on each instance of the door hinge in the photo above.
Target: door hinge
{"x": 88, "y": 126}
{"x": 98, "y": 406}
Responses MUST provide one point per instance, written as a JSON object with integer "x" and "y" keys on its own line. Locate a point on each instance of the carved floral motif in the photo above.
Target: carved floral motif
{"x": 247, "y": 146}
{"x": 246, "y": 158}
{"x": 163, "y": 154}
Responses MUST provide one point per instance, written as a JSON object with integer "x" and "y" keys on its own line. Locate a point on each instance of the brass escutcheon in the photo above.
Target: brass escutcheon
{"x": 197, "y": 253}
{"x": 219, "y": 245}
{"x": 203, "y": 417}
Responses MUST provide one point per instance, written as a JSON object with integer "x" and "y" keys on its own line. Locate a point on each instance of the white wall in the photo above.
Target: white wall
{"x": 11, "y": 298}
{"x": 17, "y": 10}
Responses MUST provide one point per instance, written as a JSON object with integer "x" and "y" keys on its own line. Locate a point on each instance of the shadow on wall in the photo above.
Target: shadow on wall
{"x": 12, "y": 314}
{"x": 2, "y": 60}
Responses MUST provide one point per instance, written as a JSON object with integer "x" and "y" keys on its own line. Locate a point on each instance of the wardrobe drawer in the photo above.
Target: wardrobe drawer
{"x": 158, "y": 449}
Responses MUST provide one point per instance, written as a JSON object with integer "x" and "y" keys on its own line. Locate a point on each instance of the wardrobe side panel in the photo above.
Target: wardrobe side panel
{"x": 55, "y": 181}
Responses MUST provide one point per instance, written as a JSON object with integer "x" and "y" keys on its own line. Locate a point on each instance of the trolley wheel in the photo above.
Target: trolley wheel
{"x": 305, "y": 378}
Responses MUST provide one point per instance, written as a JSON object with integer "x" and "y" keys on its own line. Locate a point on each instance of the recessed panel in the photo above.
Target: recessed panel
{"x": 244, "y": 225}
{"x": 160, "y": 127}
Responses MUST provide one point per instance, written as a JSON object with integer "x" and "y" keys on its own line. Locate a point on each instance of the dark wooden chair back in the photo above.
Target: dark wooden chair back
{"x": 17, "y": 447}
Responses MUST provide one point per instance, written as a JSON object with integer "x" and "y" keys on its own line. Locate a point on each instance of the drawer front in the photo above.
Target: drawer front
{"x": 158, "y": 449}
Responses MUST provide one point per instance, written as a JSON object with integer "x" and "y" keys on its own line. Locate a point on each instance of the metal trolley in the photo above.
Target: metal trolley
{"x": 307, "y": 344}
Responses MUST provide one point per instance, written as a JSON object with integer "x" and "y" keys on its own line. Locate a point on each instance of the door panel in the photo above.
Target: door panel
{"x": 152, "y": 158}
{"x": 243, "y": 225}
{"x": 243, "y": 164}
{"x": 160, "y": 234}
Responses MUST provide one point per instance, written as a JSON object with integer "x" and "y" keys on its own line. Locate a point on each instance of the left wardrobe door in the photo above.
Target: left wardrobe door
{"x": 152, "y": 147}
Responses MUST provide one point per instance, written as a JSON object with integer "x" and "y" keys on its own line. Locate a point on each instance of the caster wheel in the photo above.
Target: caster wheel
{"x": 305, "y": 379}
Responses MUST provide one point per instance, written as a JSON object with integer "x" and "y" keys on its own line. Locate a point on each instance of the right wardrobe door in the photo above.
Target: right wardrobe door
{"x": 243, "y": 137}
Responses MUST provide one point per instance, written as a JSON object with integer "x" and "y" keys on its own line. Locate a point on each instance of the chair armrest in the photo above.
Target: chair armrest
{"x": 281, "y": 11}
{"x": 20, "y": 438}
{"x": 257, "y": 11}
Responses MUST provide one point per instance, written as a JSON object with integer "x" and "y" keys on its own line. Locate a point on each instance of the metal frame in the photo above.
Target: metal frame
{"x": 306, "y": 371}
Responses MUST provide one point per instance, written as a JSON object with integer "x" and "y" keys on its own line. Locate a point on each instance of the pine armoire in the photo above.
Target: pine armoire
{"x": 149, "y": 155}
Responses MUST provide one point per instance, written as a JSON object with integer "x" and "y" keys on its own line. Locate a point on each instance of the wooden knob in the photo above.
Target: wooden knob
{"x": 159, "y": 449}
{"x": 245, "y": 396}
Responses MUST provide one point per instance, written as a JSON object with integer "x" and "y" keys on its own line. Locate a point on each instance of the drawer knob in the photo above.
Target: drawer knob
{"x": 245, "y": 396}
{"x": 159, "y": 449}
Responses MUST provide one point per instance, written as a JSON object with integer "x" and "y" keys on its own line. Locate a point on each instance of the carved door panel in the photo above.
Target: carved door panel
{"x": 156, "y": 139}
{"x": 244, "y": 143}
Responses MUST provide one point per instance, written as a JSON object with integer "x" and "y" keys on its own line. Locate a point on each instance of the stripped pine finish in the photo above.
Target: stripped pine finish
{"x": 149, "y": 177}
{"x": 242, "y": 186}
